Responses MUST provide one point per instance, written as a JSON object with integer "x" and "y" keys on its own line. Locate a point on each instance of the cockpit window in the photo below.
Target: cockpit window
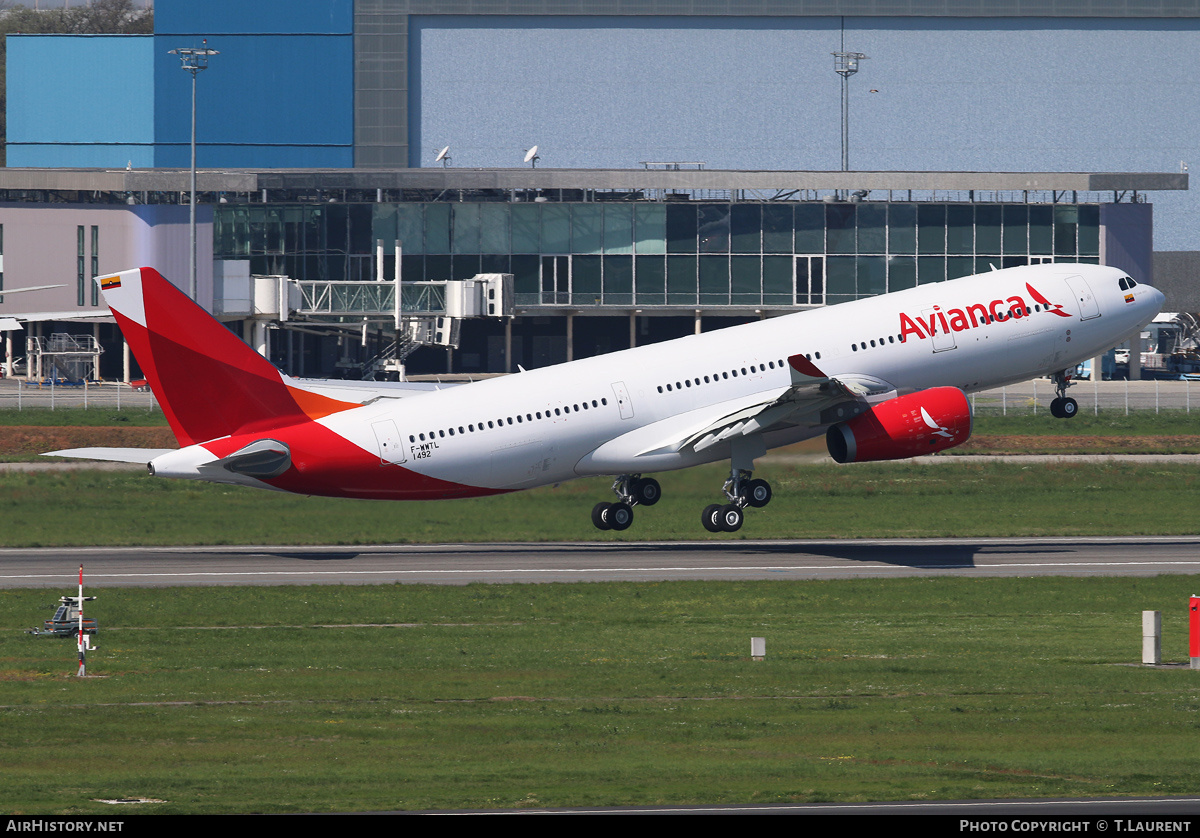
{"x": 1127, "y": 282}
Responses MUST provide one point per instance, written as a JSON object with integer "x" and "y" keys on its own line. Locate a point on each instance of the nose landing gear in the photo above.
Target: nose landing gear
{"x": 1063, "y": 407}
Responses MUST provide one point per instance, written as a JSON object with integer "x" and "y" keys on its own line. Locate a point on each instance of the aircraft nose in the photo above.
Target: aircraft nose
{"x": 1158, "y": 298}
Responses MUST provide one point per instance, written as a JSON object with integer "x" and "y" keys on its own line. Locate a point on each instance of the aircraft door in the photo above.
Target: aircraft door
{"x": 621, "y": 392}
{"x": 391, "y": 446}
{"x": 943, "y": 338}
{"x": 1088, "y": 307}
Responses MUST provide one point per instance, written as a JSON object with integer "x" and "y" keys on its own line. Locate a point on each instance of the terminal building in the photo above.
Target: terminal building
{"x": 673, "y": 190}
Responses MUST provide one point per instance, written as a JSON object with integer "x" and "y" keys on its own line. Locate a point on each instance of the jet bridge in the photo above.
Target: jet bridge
{"x": 427, "y": 313}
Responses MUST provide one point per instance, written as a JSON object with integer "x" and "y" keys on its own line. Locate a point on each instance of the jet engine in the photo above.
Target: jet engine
{"x": 908, "y": 426}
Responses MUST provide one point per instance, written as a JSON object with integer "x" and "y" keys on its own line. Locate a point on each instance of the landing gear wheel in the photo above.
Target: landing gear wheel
{"x": 620, "y": 516}
{"x": 600, "y": 515}
{"x": 758, "y": 493}
{"x": 1064, "y": 408}
{"x": 730, "y": 517}
{"x": 645, "y": 490}
{"x": 710, "y": 517}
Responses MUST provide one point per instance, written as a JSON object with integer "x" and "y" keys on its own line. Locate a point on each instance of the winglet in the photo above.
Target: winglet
{"x": 803, "y": 368}
{"x": 209, "y": 382}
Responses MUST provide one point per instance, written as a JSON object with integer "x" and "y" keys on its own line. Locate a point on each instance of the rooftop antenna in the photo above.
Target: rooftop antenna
{"x": 443, "y": 157}
{"x": 531, "y": 157}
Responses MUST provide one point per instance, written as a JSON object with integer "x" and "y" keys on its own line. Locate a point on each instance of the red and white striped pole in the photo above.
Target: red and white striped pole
{"x": 82, "y": 646}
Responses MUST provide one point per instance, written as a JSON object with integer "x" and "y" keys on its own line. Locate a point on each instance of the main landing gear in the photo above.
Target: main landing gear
{"x": 741, "y": 491}
{"x": 1063, "y": 407}
{"x": 631, "y": 490}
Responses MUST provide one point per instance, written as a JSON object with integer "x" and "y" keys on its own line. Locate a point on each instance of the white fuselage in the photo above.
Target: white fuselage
{"x": 625, "y": 412}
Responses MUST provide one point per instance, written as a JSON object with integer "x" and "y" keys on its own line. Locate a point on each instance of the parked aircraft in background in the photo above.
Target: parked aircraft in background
{"x": 882, "y": 378}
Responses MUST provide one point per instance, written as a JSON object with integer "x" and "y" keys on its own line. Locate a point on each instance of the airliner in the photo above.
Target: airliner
{"x": 882, "y": 378}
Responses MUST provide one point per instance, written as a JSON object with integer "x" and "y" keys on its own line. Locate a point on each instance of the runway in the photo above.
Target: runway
{"x": 461, "y": 564}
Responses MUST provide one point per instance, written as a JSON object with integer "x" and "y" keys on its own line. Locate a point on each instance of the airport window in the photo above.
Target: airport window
{"x": 95, "y": 267}
{"x": 682, "y": 253}
{"x": 79, "y": 272}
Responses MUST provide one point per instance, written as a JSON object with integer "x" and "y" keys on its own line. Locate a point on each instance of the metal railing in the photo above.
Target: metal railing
{"x": 333, "y": 298}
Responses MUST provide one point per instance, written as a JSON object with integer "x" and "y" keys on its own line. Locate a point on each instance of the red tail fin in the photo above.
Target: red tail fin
{"x": 210, "y": 384}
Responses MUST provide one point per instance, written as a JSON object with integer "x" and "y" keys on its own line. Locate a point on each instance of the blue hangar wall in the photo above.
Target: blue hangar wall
{"x": 935, "y": 94}
{"x": 80, "y": 100}
{"x": 280, "y": 94}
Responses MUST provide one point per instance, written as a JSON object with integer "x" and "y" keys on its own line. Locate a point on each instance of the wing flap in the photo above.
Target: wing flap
{"x": 810, "y": 400}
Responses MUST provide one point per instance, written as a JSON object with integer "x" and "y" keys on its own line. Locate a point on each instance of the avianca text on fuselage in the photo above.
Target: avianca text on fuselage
{"x": 972, "y": 316}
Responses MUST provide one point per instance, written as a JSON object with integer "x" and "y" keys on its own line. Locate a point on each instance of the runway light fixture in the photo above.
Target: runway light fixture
{"x": 193, "y": 60}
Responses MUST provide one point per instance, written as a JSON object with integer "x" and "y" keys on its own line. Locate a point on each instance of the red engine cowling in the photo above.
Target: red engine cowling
{"x": 909, "y": 426}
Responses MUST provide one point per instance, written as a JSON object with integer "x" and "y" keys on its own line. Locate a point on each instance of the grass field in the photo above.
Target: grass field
{"x": 364, "y": 698}
{"x": 951, "y": 497}
{"x": 598, "y": 694}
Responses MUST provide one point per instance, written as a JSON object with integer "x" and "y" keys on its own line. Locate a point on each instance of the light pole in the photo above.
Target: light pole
{"x": 845, "y": 64}
{"x": 194, "y": 60}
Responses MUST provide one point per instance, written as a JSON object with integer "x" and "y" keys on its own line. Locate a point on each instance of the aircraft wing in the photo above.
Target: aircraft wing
{"x": 812, "y": 399}
{"x": 364, "y": 392}
{"x": 819, "y": 402}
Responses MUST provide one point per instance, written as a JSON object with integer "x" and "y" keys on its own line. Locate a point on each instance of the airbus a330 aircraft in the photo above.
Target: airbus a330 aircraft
{"x": 882, "y": 378}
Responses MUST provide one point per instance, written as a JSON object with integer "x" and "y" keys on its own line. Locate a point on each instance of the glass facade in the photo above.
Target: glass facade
{"x": 685, "y": 253}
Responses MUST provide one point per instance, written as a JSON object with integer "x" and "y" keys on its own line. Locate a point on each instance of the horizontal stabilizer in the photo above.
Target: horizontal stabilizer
{"x": 142, "y": 456}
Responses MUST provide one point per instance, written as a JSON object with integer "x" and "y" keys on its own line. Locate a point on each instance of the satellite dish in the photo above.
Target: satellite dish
{"x": 531, "y": 157}
{"x": 443, "y": 157}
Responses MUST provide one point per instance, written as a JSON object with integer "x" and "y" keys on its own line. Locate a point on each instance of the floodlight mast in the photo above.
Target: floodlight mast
{"x": 845, "y": 64}
{"x": 193, "y": 60}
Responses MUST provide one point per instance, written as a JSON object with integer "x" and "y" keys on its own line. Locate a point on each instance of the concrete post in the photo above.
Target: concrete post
{"x": 508, "y": 365}
{"x": 570, "y": 336}
{"x": 1152, "y": 638}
